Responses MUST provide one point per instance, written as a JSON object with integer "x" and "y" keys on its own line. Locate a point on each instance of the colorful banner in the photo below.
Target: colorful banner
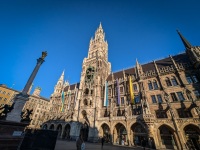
{"x": 62, "y": 100}
{"x": 106, "y": 94}
{"x": 131, "y": 91}
{"x": 118, "y": 93}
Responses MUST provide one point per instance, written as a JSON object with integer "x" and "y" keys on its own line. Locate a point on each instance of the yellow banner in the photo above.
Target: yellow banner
{"x": 131, "y": 91}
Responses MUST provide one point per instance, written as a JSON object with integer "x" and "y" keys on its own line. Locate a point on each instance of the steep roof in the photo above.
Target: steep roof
{"x": 72, "y": 86}
{"x": 180, "y": 58}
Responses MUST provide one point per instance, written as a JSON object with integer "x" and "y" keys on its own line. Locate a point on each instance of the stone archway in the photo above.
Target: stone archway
{"x": 192, "y": 134}
{"x": 66, "y": 133}
{"x": 45, "y": 127}
{"x": 139, "y": 135}
{"x": 120, "y": 136}
{"x": 59, "y": 129}
{"x": 51, "y": 127}
{"x": 105, "y": 130}
{"x": 167, "y": 137}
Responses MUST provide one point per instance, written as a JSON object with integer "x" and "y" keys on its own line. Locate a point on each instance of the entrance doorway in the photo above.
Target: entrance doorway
{"x": 51, "y": 127}
{"x": 59, "y": 129}
{"x": 192, "y": 134}
{"x": 120, "y": 135}
{"x": 66, "y": 134}
{"x": 167, "y": 136}
{"x": 106, "y": 132}
{"x": 139, "y": 135}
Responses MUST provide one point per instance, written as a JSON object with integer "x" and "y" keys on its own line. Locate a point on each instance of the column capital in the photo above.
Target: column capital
{"x": 40, "y": 61}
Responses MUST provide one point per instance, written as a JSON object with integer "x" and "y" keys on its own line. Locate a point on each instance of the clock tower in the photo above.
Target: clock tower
{"x": 95, "y": 70}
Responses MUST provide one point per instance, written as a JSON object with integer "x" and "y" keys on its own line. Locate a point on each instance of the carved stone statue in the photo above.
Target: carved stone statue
{"x": 44, "y": 54}
{"x": 26, "y": 115}
{"x": 6, "y": 109}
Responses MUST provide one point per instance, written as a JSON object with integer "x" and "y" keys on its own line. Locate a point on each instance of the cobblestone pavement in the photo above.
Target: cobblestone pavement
{"x": 71, "y": 145}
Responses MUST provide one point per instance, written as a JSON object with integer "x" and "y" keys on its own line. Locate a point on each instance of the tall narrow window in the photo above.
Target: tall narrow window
{"x": 168, "y": 82}
{"x": 180, "y": 96}
{"x": 137, "y": 99}
{"x": 135, "y": 87}
{"x": 194, "y": 79}
{"x": 197, "y": 94}
{"x": 174, "y": 98}
{"x": 109, "y": 92}
{"x": 153, "y": 97}
{"x": 159, "y": 98}
{"x": 150, "y": 85}
{"x": 122, "y": 100}
{"x": 174, "y": 82}
{"x": 155, "y": 84}
{"x": 189, "y": 79}
{"x": 121, "y": 90}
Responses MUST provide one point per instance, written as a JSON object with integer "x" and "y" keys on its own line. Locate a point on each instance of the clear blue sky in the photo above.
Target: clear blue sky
{"x": 142, "y": 29}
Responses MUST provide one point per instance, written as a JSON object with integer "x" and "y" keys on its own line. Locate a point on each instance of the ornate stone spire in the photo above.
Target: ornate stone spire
{"x": 59, "y": 85}
{"x": 185, "y": 42}
{"x": 99, "y": 34}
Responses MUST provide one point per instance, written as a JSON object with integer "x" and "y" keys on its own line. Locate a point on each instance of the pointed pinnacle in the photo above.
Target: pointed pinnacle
{"x": 185, "y": 42}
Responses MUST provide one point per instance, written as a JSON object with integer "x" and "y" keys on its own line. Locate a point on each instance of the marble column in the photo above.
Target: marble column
{"x": 22, "y": 97}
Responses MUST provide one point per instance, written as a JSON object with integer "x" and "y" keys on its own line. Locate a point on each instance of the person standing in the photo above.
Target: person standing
{"x": 102, "y": 142}
{"x": 79, "y": 142}
{"x": 144, "y": 143}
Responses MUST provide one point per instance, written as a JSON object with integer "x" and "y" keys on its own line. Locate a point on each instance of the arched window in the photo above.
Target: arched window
{"x": 155, "y": 84}
{"x": 174, "y": 82}
{"x": 150, "y": 85}
{"x": 168, "y": 82}
{"x": 85, "y": 102}
{"x": 86, "y": 91}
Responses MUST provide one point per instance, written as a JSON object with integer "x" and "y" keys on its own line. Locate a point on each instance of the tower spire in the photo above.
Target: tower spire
{"x": 185, "y": 42}
{"x": 100, "y": 26}
{"x": 58, "y": 87}
{"x": 137, "y": 64}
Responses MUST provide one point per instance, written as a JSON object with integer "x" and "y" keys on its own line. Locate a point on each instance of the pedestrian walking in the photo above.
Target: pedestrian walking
{"x": 102, "y": 142}
{"x": 144, "y": 143}
{"x": 80, "y": 142}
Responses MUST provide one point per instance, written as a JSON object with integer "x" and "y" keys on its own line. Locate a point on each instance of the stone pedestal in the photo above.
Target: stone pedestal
{"x": 11, "y": 134}
{"x": 15, "y": 114}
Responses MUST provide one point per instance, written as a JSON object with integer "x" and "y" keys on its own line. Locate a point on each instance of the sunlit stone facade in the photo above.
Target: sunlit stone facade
{"x": 165, "y": 113}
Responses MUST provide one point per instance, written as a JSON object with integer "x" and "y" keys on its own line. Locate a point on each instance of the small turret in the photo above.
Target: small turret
{"x": 139, "y": 70}
{"x": 37, "y": 91}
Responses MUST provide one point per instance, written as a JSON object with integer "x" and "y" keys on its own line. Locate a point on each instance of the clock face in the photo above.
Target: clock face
{"x": 89, "y": 74}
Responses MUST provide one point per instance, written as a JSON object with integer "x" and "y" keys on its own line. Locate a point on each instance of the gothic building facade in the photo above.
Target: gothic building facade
{"x": 165, "y": 111}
